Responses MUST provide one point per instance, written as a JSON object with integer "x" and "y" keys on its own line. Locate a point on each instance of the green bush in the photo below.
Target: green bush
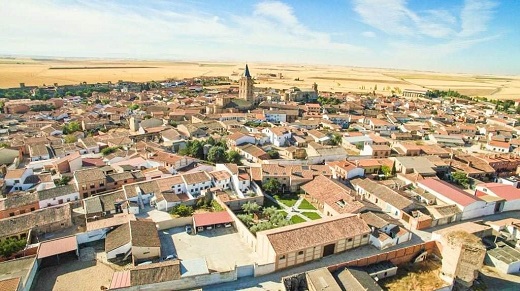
{"x": 11, "y": 246}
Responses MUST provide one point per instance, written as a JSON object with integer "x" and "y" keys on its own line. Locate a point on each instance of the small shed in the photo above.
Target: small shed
{"x": 211, "y": 220}
{"x": 52, "y": 251}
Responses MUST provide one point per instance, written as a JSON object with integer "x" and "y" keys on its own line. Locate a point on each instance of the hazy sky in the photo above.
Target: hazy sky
{"x": 481, "y": 36}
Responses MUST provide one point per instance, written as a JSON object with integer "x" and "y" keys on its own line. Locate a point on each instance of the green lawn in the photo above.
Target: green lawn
{"x": 306, "y": 205}
{"x": 297, "y": 219}
{"x": 284, "y": 213}
{"x": 311, "y": 215}
{"x": 289, "y": 201}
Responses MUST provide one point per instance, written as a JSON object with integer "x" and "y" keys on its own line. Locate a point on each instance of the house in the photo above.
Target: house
{"x": 88, "y": 145}
{"x": 104, "y": 205}
{"x": 470, "y": 205}
{"x": 238, "y": 138}
{"x": 19, "y": 179}
{"x": 253, "y": 153}
{"x": 18, "y": 203}
{"x": 90, "y": 182}
{"x": 385, "y": 198}
{"x": 345, "y": 170}
{"x": 38, "y": 152}
{"x": 504, "y": 258}
{"x": 138, "y": 238}
{"x": 376, "y": 151}
{"x": 498, "y": 146}
{"x": 418, "y": 165}
{"x": 510, "y": 194}
{"x": 386, "y": 231}
{"x": 407, "y": 149}
{"x": 196, "y": 182}
{"x": 39, "y": 221}
{"x": 331, "y": 197}
{"x": 57, "y": 195}
{"x": 297, "y": 244}
{"x": 278, "y": 136}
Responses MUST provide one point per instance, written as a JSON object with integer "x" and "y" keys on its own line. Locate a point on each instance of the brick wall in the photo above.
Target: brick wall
{"x": 398, "y": 257}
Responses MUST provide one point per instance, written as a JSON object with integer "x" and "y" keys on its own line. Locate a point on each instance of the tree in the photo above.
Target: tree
{"x": 70, "y": 138}
{"x": 217, "y": 154}
{"x": 173, "y": 123}
{"x": 337, "y": 139}
{"x": 460, "y": 178}
{"x": 11, "y": 246}
{"x": 133, "y": 107}
{"x": 233, "y": 157}
{"x": 4, "y": 145}
{"x": 250, "y": 207}
{"x": 107, "y": 151}
{"x": 182, "y": 210}
{"x": 247, "y": 219}
{"x": 71, "y": 127}
{"x": 272, "y": 186}
{"x": 386, "y": 170}
{"x": 269, "y": 211}
{"x": 273, "y": 154}
{"x": 63, "y": 181}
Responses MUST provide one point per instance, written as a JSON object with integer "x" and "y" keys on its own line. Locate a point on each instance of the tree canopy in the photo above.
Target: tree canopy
{"x": 272, "y": 186}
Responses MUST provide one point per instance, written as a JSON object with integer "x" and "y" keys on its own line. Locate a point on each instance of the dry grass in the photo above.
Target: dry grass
{"x": 328, "y": 78}
{"x": 423, "y": 276}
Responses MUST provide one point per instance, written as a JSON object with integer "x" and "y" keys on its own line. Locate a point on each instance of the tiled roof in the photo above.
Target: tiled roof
{"x": 94, "y": 174}
{"x": 56, "y": 192}
{"x": 144, "y": 234}
{"x": 42, "y": 217}
{"x": 333, "y": 194}
{"x": 155, "y": 273}
{"x": 195, "y": 178}
{"x": 384, "y": 193}
{"x": 313, "y": 233}
{"x": 117, "y": 238}
{"x": 449, "y": 191}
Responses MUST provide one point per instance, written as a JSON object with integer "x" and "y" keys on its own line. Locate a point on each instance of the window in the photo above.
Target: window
{"x": 16, "y": 181}
{"x": 300, "y": 253}
{"x": 68, "y": 199}
{"x": 32, "y": 208}
{"x": 91, "y": 186}
{"x": 11, "y": 214}
{"x": 365, "y": 235}
{"x": 282, "y": 257}
{"x": 349, "y": 240}
{"x": 101, "y": 184}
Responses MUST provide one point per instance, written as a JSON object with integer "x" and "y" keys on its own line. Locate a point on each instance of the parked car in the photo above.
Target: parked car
{"x": 189, "y": 229}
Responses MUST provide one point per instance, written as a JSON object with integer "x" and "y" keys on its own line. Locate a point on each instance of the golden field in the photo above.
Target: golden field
{"x": 328, "y": 78}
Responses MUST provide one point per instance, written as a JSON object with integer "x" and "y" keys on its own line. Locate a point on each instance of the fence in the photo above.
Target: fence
{"x": 174, "y": 222}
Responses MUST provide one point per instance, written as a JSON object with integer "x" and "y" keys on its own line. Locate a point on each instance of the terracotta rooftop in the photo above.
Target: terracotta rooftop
{"x": 313, "y": 233}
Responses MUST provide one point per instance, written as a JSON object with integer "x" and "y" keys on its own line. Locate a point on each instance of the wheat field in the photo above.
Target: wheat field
{"x": 14, "y": 71}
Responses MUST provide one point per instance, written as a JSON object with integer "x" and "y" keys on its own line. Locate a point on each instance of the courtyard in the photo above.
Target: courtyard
{"x": 222, "y": 248}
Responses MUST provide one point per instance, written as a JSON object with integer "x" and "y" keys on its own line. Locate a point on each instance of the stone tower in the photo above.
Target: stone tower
{"x": 245, "y": 86}
{"x": 462, "y": 256}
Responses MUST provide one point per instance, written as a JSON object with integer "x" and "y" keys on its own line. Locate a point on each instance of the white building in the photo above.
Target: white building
{"x": 57, "y": 195}
{"x": 510, "y": 194}
{"x": 470, "y": 205}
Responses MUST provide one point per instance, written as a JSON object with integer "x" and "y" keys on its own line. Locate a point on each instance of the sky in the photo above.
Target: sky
{"x": 469, "y": 36}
